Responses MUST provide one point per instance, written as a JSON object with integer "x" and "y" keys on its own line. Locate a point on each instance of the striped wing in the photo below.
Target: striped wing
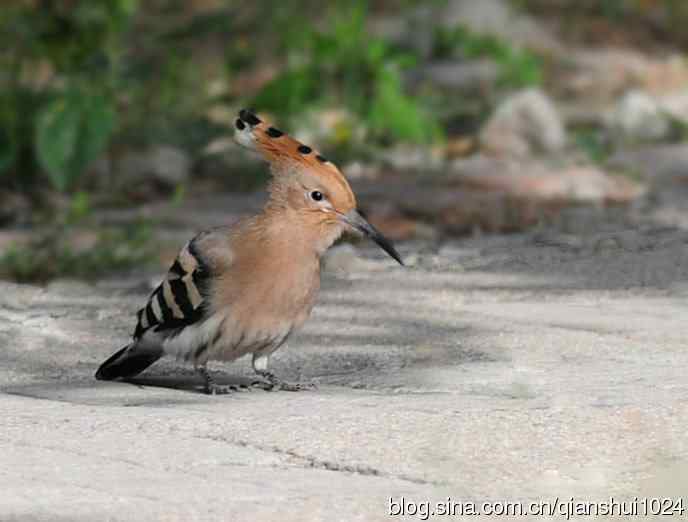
{"x": 179, "y": 300}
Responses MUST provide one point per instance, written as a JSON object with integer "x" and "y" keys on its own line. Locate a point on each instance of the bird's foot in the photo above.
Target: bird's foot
{"x": 273, "y": 383}
{"x": 219, "y": 389}
{"x": 210, "y": 387}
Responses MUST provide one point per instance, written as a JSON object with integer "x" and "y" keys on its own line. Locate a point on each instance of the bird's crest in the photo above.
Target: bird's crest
{"x": 289, "y": 158}
{"x": 278, "y": 148}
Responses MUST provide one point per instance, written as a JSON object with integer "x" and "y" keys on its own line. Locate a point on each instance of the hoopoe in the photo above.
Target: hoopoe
{"x": 246, "y": 288}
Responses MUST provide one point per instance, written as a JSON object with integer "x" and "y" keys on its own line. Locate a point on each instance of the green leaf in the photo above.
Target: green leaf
{"x": 128, "y": 7}
{"x": 57, "y": 133}
{"x": 71, "y": 132}
{"x": 345, "y": 66}
{"x": 289, "y": 93}
{"x": 396, "y": 114}
{"x": 97, "y": 125}
{"x": 79, "y": 207}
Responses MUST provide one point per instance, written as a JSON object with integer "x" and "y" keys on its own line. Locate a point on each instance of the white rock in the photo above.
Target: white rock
{"x": 169, "y": 164}
{"x": 166, "y": 164}
{"x": 602, "y": 74}
{"x": 675, "y": 105}
{"x": 638, "y": 117}
{"x": 524, "y": 123}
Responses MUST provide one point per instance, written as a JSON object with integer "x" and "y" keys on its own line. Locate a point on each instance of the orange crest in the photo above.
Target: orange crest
{"x": 288, "y": 156}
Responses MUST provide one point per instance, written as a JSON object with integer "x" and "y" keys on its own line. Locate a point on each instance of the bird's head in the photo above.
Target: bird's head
{"x": 306, "y": 182}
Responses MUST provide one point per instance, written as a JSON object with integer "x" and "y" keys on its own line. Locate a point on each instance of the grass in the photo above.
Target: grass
{"x": 594, "y": 142}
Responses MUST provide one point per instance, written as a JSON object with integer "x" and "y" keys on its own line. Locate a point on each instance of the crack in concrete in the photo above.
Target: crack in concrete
{"x": 308, "y": 461}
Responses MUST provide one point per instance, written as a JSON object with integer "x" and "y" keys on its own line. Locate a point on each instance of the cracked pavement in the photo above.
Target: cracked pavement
{"x": 505, "y": 368}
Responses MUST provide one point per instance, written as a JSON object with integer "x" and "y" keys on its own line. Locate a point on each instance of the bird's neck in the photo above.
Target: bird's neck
{"x": 294, "y": 232}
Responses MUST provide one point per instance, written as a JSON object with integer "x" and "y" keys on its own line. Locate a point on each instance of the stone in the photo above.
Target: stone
{"x": 169, "y": 165}
{"x": 637, "y": 116}
{"x": 665, "y": 76}
{"x": 482, "y": 193}
{"x": 599, "y": 74}
{"x": 675, "y": 105}
{"x": 568, "y": 185}
{"x": 166, "y": 165}
{"x": 525, "y": 123}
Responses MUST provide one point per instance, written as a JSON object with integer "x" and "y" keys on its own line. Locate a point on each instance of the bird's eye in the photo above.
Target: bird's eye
{"x": 316, "y": 195}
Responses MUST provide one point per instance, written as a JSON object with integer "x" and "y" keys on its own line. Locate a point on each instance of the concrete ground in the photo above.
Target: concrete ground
{"x": 512, "y": 368}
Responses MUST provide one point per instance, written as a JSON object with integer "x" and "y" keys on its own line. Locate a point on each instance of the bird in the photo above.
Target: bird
{"x": 247, "y": 287}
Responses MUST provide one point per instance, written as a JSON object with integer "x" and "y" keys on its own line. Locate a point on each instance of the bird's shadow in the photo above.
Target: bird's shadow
{"x": 136, "y": 391}
{"x": 191, "y": 383}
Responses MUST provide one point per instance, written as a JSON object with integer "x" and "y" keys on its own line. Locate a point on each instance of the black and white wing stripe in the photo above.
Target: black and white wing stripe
{"x": 179, "y": 300}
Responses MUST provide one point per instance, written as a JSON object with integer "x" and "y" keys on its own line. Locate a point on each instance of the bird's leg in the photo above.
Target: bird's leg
{"x": 210, "y": 387}
{"x": 260, "y": 366}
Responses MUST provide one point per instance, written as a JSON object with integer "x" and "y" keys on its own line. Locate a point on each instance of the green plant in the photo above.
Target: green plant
{"x": 53, "y": 254}
{"x": 57, "y": 100}
{"x": 517, "y": 67}
{"x": 80, "y": 81}
{"x": 343, "y": 65}
{"x": 594, "y": 142}
{"x": 71, "y": 131}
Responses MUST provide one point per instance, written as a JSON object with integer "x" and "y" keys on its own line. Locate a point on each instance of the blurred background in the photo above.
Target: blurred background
{"x": 451, "y": 118}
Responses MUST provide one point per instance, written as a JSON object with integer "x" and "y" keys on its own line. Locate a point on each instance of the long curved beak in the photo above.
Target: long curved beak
{"x": 356, "y": 221}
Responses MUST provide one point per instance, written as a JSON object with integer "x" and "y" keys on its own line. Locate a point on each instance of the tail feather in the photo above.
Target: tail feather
{"x": 127, "y": 362}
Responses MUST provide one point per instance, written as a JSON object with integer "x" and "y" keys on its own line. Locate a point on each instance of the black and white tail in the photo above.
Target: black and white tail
{"x": 128, "y": 362}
